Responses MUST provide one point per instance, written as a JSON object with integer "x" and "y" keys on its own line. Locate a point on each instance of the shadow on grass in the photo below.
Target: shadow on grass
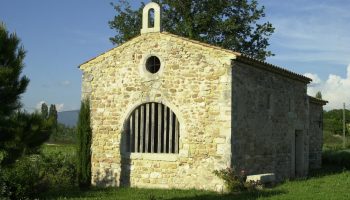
{"x": 334, "y": 162}
{"x": 236, "y": 196}
{"x": 75, "y": 192}
{"x": 326, "y": 170}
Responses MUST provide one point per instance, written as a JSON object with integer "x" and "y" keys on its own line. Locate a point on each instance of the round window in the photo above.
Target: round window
{"x": 153, "y": 64}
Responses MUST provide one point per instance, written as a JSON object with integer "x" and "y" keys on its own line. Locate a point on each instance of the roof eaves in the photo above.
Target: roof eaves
{"x": 317, "y": 101}
{"x": 272, "y": 68}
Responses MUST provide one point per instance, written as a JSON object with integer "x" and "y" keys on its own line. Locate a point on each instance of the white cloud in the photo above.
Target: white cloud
{"x": 315, "y": 79}
{"x": 65, "y": 83}
{"x": 335, "y": 89}
{"x": 59, "y": 107}
{"x": 38, "y": 105}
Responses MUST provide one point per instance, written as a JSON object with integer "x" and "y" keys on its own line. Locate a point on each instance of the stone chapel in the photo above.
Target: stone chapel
{"x": 167, "y": 111}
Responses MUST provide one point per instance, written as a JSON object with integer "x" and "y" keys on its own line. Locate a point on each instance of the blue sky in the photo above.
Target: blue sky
{"x": 311, "y": 38}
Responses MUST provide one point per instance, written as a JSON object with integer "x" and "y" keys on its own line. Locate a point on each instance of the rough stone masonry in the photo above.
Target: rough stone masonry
{"x": 167, "y": 111}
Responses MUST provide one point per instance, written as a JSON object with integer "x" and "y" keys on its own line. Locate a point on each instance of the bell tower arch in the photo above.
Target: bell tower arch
{"x": 146, "y": 28}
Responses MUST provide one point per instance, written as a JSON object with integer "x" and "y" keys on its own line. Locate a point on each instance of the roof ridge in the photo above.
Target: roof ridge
{"x": 202, "y": 43}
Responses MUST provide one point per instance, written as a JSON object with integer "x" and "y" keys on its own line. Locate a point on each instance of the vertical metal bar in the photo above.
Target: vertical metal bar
{"x": 142, "y": 132}
{"x": 165, "y": 129}
{"x": 147, "y": 128}
{"x": 170, "y": 131}
{"x": 152, "y": 126}
{"x": 176, "y": 135}
{"x": 159, "y": 131}
{"x": 137, "y": 122}
{"x": 131, "y": 133}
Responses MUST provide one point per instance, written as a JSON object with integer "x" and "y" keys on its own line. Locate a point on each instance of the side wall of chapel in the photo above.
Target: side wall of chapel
{"x": 268, "y": 110}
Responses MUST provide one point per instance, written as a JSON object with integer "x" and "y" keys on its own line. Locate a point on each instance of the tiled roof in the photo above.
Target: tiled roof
{"x": 273, "y": 68}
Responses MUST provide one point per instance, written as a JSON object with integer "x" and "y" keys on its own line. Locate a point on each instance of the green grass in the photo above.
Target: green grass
{"x": 67, "y": 149}
{"x": 332, "y": 141}
{"x": 328, "y": 183}
{"x": 158, "y": 194}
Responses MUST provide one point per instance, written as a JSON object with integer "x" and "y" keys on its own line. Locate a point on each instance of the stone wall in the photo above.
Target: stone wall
{"x": 267, "y": 109}
{"x": 194, "y": 82}
{"x": 316, "y": 135}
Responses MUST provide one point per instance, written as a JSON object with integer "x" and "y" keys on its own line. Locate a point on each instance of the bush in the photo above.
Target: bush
{"x": 23, "y": 179}
{"x": 31, "y": 176}
{"x": 236, "y": 182}
{"x": 60, "y": 170}
{"x": 341, "y": 158}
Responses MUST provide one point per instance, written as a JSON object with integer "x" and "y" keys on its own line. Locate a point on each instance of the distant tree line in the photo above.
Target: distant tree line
{"x": 50, "y": 116}
{"x": 333, "y": 121}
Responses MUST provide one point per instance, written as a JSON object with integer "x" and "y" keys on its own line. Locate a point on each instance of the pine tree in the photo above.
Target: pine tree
{"x": 11, "y": 66}
{"x": 20, "y": 133}
{"x": 84, "y": 145}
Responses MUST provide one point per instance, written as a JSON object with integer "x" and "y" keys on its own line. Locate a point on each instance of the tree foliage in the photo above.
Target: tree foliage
{"x": 63, "y": 134}
{"x": 233, "y": 24}
{"x": 12, "y": 84}
{"x": 20, "y": 133}
{"x": 44, "y": 111}
{"x": 84, "y": 145}
{"x": 53, "y": 115}
{"x": 333, "y": 121}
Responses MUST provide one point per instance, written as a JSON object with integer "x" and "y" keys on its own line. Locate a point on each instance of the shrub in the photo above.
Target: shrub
{"x": 32, "y": 175}
{"x": 60, "y": 170}
{"x": 236, "y": 182}
{"x": 341, "y": 158}
{"x": 23, "y": 179}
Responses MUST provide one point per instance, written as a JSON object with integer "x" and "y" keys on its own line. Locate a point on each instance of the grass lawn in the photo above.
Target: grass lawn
{"x": 67, "y": 149}
{"x": 335, "y": 186}
{"x": 328, "y": 183}
{"x": 332, "y": 141}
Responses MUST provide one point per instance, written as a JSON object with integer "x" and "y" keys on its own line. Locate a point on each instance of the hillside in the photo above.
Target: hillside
{"x": 68, "y": 118}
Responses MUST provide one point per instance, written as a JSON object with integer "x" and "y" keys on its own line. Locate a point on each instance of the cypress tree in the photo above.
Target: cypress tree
{"x": 84, "y": 145}
{"x": 53, "y": 115}
{"x": 44, "y": 111}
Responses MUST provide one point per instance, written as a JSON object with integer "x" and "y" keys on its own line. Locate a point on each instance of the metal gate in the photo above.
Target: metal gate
{"x": 153, "y": 128}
